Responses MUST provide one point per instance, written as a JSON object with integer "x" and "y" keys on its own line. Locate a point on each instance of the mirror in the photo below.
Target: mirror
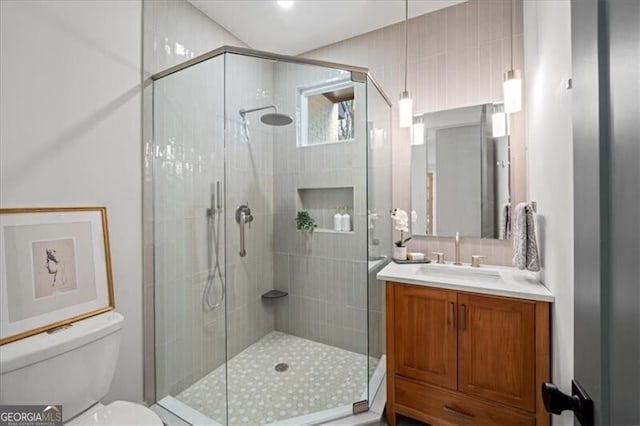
{"x": 460, "y": 173}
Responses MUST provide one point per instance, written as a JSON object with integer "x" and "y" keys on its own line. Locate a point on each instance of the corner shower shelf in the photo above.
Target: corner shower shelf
{"x": 274, "y": 294}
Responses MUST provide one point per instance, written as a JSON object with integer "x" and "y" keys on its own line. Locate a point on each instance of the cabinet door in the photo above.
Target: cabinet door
{"x": 425, "y": 335}
{"x": 496, "y": 354}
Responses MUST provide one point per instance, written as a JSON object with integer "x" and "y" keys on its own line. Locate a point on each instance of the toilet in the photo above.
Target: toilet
{"x": 73, "y": 367}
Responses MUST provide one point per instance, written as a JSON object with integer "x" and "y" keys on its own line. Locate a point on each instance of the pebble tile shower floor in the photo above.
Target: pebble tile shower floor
{"x": 319, "y": 377}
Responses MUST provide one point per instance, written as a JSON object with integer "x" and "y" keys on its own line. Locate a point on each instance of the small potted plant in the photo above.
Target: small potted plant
{"x": 304, "y": 222}
{"x": 401, "y": 220}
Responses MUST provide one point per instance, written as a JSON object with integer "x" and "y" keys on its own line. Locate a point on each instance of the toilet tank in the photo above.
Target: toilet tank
{"x": 73, "y": 366}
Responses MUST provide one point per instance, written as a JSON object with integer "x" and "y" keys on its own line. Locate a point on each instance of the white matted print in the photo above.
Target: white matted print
{"x": 55, "y": 268}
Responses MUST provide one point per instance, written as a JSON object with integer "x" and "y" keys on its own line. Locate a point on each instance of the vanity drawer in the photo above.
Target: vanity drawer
{"x": 440, "y": 407}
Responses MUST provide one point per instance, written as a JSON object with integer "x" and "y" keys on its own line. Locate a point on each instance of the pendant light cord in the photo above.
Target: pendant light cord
{"x": 406, "y": 41}
{"x": 513, "y": 6}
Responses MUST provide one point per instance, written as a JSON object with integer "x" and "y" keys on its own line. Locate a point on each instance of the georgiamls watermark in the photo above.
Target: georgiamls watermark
{"x": 30, "y": 415}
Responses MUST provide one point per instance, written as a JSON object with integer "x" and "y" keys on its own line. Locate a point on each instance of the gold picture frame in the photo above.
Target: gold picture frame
{"x": 55, "y": 268}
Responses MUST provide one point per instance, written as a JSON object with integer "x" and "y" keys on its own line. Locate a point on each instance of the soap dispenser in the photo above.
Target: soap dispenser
{"x": 337, "y": 220}
{"x": 345, "y": 222}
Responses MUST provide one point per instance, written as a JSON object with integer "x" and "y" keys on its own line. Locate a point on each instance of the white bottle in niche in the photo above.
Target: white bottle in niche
{"x": 345, "y": 221}
{"x": 337, "y": 220}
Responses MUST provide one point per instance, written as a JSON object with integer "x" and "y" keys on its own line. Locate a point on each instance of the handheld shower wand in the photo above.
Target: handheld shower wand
{"x": 214, "y": 213}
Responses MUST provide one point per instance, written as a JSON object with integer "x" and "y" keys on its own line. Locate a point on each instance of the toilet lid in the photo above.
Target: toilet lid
{"x": 121, "y": 413}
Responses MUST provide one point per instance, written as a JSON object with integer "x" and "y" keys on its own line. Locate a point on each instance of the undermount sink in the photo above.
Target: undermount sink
{"x": 487, "y": 279}
{"x": 459, "y": 272}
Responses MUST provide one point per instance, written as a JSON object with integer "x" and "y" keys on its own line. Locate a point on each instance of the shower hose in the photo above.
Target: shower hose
{"x": 209, "y": 300}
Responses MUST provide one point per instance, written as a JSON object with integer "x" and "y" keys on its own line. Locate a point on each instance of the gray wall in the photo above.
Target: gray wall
{"x": 607, "y": 315}
{"x": 624, "y": 208}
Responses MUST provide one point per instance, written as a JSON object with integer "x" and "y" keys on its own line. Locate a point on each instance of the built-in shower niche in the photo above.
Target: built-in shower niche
{"x": 321, "y": 204}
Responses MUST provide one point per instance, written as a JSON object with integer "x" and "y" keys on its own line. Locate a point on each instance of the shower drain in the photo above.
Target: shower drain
{"x": 281, "y": 367}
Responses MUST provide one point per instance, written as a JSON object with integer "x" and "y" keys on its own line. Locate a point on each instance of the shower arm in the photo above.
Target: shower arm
{"x": 244, "y": 112}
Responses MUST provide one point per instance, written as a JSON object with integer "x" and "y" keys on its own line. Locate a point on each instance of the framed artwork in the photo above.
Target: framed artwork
{"x": 55, "y": 268}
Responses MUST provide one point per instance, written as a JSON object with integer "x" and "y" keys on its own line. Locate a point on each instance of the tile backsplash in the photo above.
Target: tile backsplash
{"x": 498, "y": 252}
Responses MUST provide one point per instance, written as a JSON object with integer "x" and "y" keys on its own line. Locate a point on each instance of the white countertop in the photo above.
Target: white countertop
{"x": 487, "y": 279}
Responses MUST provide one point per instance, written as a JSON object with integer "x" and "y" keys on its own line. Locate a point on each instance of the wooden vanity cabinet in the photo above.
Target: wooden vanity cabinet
{"x": 457, "y": 358}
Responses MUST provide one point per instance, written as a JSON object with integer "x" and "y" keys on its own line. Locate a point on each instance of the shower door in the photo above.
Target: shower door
{"x": 296, "y": 300}
{"x": 184, "y": 178}
{"x": 379, "y": 204}
{"x": 257, "y": 321}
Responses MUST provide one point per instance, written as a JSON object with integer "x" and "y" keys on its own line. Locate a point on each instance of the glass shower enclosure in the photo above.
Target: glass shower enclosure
{"x": 268, "y": 189}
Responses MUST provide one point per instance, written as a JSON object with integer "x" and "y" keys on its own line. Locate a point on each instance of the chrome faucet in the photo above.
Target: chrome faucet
{"x": 457, "y": 261}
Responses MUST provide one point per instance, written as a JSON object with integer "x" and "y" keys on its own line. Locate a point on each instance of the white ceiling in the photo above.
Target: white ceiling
{"x": 308, "y": 24}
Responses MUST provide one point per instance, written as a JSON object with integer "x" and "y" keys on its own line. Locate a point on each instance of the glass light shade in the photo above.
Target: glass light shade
{"x": 405, "y": 109}
{"x": 418, "y": 134}
{"x": 499, "y": 124}
{"x": 512, "y": 91}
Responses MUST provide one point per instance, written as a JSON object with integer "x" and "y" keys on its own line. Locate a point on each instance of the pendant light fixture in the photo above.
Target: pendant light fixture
{"x": 512, "y": 85}
{"x": 405, "y": 106}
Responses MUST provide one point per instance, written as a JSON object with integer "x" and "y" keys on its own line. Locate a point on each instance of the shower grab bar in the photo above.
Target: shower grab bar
{"x": 243, "y": 217}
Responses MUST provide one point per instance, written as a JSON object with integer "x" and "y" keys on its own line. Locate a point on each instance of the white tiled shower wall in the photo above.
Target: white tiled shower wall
{"x": 187, "y": 159}
{"x": 324, "y": 273}
{"x": 173, "y": 32}
{"x": 249, "y": 178}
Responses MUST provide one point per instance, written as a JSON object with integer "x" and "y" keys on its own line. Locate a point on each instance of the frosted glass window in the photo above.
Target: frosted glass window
{"x": 328, "y": 113}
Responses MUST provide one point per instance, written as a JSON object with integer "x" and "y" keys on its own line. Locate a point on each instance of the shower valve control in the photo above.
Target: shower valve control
{"x": 244, "y": 208}
{"x": 243, "y": 217}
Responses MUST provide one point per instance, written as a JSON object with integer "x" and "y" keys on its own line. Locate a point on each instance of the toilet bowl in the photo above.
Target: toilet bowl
{"x": 72, "y": 367}
{"x": 118, "y": 413}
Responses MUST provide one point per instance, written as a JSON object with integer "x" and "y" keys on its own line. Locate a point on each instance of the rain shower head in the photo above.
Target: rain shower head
{"x": 276, "y": 119}
{"x": 270, "y": 119}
